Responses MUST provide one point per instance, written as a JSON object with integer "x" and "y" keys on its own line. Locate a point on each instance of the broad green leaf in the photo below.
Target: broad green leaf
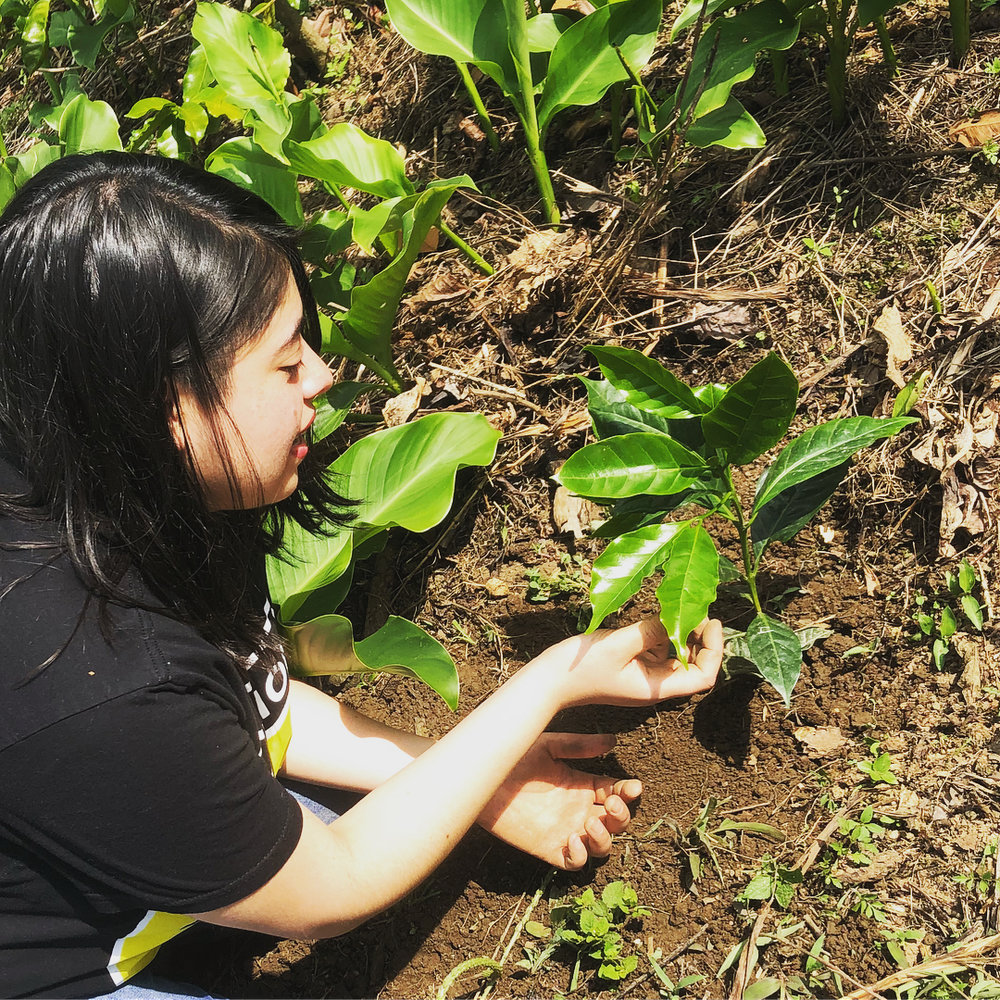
{"x": 639, "y": 512}
{"x": 809, "y": 635}
{"x": 727, "y": 51}
{"x": 791, "y": 510}
{"x": 333, "y": 408}
{"x": 731, "y": 126}
{"x": 777, "y": 653}
{"x": 692, "y": 11}
{"x": 710, "y": 395}
{"x": 620, "y": 569}
{"x": 84, "y": 39}
{"x": 630, "y": 464}
{"x": 755, "y": 413}
{"x": 910, "y": 394}
{"x": 246, "y": 164}
{"x": 250, "y": 63}
{"x": 306, "y": 563}
{"x": 761, "y": 989}
{"x": 25, "y": 165}
{"x": 473, "y": 31}
{"x": 821, "y": 448}
{"x": 405, "y": 475}
{"x": 544, "y": 31}
{"x": 585, "y": 60}
{"x": 948, "y": 625}
{"x": 966, "y": 576}
{"x": 367, "y": 326}
{"x": 349, "y": 157}
{"x": 870, "y": 11}
{"x": 689, "y": 585}
{"x": 88, "y": 126}
{"x": 327, "y": 234}
{"x": 326, "y": 646}
{"x": 7, "y": 188}
{"x": 973, "y": 611}
{"x": 612, "y": 413}
{"x": 34, "y": 36}
{"x": 195, "y": 120}
{"x": 646, "y": 383}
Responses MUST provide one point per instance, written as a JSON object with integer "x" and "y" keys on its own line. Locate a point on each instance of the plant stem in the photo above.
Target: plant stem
{"x": 463, "y": 967}
{"x": 481, "y": 113}
{"x": 576, "y": 974}
{"x": 888, "y": 52}
{"x": 743, "y": 529}
{"x": 779, "y": 69}
{"x": 475, "y": 257}
{"x": 961, "y": 37}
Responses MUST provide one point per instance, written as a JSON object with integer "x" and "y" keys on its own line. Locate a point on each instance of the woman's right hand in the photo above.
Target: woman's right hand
{"x": 631, "y": 665}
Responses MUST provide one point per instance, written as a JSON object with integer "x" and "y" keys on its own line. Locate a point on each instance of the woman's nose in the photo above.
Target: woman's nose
{"x": 318, "y": 377}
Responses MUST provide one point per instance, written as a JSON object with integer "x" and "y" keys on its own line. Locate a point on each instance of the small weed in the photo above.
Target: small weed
{"x": 937, "y": 618}
{"x": 990, "y": 152}
{"x": 586, "y": 925}
{"x": 669, "y": 990}
{"x": 878, "y": 770}
{"x": 993, "y": 67}
{"x": 894, "y": 942}
{"x": 567, "y": 580}
{"x": 824, "y": 250}
{"x": 982, "y": 880}
{"x": 856, "y": 845}
{"x": 771, "y": 881}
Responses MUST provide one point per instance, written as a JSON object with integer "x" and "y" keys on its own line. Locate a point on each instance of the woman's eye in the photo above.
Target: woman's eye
{"x": 292, "y": 370}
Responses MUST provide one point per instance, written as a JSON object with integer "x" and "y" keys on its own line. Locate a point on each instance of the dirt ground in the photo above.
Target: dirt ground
{"x": 740, "y": 241}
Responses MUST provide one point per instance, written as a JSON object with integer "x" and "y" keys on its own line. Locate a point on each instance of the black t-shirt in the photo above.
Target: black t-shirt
{"x": 136, "y": 780}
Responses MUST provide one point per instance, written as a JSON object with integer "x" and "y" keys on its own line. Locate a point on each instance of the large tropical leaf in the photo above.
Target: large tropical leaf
{"x": 755, "y": 413}
{"x": 726, "y": 53}
{"x": 731, "y": 126}
{"x": 348, "y": 157}
{"x": 306, "y": 563}
{"x": 326, "y": 646}
{"x": 333, "y": 408}
{"x": 646, "y": 383}
{"x": 250, "y": 62}
{"x": 587, "y": 59}
{"x": 689, "y": 585}
{"x": 620, "y": 569}
{"x": 472, "y": 31}
{"x": 630, "y": 464}
{"x": 776, "y": 651}
{"x": 248, "y": 165}
{"x": 692, "y": 11}
{"x": 612, "y": 413}
{"x": 88, "y": 126}
{"x": 821, "y": 448}
{"x": 790, "y": 511}
{"x": 871, "y": 10}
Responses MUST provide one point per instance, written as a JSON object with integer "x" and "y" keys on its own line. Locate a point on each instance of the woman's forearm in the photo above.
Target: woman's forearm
{"x": 334, "y": 745}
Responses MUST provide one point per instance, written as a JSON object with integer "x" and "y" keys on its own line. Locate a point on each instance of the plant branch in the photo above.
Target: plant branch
{"x": 477, "y": 259}
{"x": 477, "y": 101}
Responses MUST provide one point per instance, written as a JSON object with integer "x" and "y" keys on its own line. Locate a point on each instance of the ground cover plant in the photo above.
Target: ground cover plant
{"x": 663, "y": 445}
{"x": 844, "y": 845}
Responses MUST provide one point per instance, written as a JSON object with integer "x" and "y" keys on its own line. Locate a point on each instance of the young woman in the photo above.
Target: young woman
{"x": 158, "y": 371}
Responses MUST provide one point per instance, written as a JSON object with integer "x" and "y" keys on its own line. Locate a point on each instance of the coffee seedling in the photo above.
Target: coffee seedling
{"x": 662, "y": 445}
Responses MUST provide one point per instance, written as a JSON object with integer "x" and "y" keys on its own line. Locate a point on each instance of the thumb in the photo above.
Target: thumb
{"x": 631, "y": 640}
{"x": 579, "y": 746}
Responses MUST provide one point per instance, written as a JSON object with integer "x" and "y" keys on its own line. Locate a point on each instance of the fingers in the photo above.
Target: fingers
{"x": 601, "y": 827}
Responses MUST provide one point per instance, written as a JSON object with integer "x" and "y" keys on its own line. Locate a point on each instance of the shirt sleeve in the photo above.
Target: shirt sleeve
{"x": 157, "y": 798}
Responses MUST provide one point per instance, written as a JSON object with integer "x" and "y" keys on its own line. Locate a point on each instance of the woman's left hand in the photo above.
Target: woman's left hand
{"x": 555, "y": 812}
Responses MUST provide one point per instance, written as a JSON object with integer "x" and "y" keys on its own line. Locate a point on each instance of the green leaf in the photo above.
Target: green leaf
{"x": 777, "y": 653}
{"x": 327, "y": 234}
{"x": 348, "y": 157}
{"x": 949, "y": 624}
{"x": 326, "y": 646}
{"x": 639, "y": 512}
{"x": 585, "y": 60}
{"x": 544, "y": 31}
{"x": 473, "y": 31}
{"x": 791, "y": 510}
{"x": 973, "y": 611}
{"x": 612, "y": 413}
{"x": 692, "y": 11}
{"x": 88, "y": 126}
{"x": 910, "y": 394}
{"x": 7, "y": 189}
{"x": 727, "y": 51}
{"x": 821, "y": 448}
{"x": 689, "y": 585}
{"x": 332, "y": 409}
{"x": 306, "y": 563}
{"x": 34, "y": 36}
{"x": 250, "y": 63}
{"x": 620, "y": 569}
{"x": 870, "y": 11}
{"x": 365, "y": 330}
{"x": 246, "y": 164}
{"x": 630, "y": 464}
{"x": 25, "y": 165}
{"x": 762, "y": 989}
{"x": 939, "y": 650}
{"x": 966, "y": 576}
{"x": 755, "y": 413}
{"x": 646, "y": 384}
{"x": 731, "y": 126}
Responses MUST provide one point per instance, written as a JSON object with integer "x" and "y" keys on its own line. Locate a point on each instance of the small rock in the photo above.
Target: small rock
{"x": 495, "y": 587}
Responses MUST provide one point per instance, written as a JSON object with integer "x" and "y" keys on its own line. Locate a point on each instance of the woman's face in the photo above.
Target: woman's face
{"x": 268, "y": 408}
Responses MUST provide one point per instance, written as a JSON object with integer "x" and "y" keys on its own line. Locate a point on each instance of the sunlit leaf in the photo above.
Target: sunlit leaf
{"x": 689, "y": 585}
{"x": 755, "y": 413}
{"x": 646, "y": 384}
{"x": 326, "y": 646}
{"x": 89, "y": 126}
{"x": 821, "y": 448}
{"x": 731, "y": 126}
{"x": 613, "y": 414}
{"x": 620, "y": 569}
{"x": 244, "y": 163}
{"x": 630, "y": 464}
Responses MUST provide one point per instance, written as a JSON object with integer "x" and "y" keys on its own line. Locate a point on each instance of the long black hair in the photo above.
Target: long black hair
{"x": 124, "y": 278}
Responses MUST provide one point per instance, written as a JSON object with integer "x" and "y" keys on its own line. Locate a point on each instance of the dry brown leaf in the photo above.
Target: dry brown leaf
{"x": 470, "y": 127}
{"x": 978, "y": 130}
{"x": 872, "y": 584}
{"x": 971, "y": 652}
{"x": 882, "y": 864}
{"x": 578, "y": 6}
{"x": 899, "y": 345}
{"x": 572, "y": 513}
{"x": 541, "y": 257}
{"x": 730, "y": 322}
{"x": 400, "y": 408}
{"x": 441, "y": 288}
{"x": 909, "y": 803}
{"x": 820, "y": 740}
